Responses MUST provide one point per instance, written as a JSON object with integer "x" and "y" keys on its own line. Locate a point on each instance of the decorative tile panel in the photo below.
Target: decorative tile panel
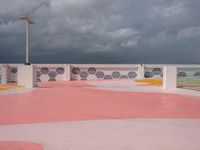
{"x": 50, "y": 73}
{"x": 116, "y": 74}
{"x": 12, "y": 75}
{"x": 83, "y": 75}
{"x": 101, "y": 73}
{"x": 76, "y": 70}
{"x": 60, "y": 70}
{"x": 107, "y": 77}
{"x": 132, "y": 75}
{"x": 148, "y": 74}
{"x": 124, "y": 77}
{"x": 92, "y": 70}
{"x": 44, "y": 70}
{"x": 156, "y": 73}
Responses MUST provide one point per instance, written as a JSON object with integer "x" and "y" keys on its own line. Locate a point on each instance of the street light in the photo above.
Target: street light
{"x": 28, "y": 22}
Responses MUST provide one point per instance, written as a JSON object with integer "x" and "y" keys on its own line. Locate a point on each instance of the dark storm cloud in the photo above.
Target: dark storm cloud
{"x": 106, "y": 31}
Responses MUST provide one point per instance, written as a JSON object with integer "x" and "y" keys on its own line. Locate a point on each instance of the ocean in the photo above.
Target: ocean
{"x": 189, "y": 78}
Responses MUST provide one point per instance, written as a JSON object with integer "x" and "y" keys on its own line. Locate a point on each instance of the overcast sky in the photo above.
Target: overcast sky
{"x": 101, "y": 31}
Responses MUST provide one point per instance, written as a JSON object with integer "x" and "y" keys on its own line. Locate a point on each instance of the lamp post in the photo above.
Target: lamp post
{"x": 28, "y": 23}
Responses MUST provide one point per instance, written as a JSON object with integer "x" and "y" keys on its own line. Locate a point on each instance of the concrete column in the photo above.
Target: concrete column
{"x": 140, "y": 71}
{"x": 169, "y": 77}
{"x": 27, "y": 76}
{"x": 4, "y": 73}
{"x": 67, "y": 72}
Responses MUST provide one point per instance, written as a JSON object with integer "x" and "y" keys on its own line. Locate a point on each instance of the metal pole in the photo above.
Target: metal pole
{"x": 27, "y": 43}
{"x": 28, "y": 22}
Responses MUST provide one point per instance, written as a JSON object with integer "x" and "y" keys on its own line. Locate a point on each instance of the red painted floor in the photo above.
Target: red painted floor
{"x": 73, "y": 101}
{"x": 14, "y": 145}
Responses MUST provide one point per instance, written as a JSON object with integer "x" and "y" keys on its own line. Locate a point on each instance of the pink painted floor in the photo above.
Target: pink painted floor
{"x": 75, "y": 101}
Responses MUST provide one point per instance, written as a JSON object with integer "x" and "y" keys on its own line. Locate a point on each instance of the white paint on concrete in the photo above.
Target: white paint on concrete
{"x": 132, "y": 134}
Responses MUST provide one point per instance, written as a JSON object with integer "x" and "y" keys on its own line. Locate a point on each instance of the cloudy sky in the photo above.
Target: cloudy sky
{"x": 101, "y": 31}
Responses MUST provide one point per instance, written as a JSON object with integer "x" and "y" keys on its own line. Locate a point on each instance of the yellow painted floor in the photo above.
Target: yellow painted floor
{"x": 149, "y": 82}
{"x": 8, "y": 86}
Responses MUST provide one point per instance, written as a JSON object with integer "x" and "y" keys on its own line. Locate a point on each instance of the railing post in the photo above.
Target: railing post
{"x": 67, "y": 72}
{"x": 169, "y": 77}
{"x": 141, "y": 71}
{"x": 4, "y": 73}
{"x": 27, "y": 76}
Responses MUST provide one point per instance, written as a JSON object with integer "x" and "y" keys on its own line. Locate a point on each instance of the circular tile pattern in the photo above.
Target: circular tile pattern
{"x": 76, "y": 70}
{"x": 123, "y": 77}
{"x": 132, "y": 75}
{"x": 92, "y": 70}
{"x": 44, "y": 70}
{"x": 156, "y": 71}
{"x": 14, "y": 70}
{"x": 182, "y": 74}
{"x": 107, "y": 77}
{"x": 116, "y": 74}
{"x": 52, "y": 74}
{"x": 99, "y": 74}
{"x": 148, "y": 75}
{"x": 60, "y": 70}
{"x": 84, "y": 74}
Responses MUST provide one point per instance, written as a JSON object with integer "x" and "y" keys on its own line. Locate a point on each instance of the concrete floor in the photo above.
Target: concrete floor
{"x": 132, "y": 86}
{"x": 107, "y": 115}
{"x": 137, "y": 134}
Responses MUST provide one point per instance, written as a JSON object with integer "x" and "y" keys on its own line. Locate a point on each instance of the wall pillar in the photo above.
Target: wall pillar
{"x": 169, "y": 77}
{"x": 141, "y": 71}
{"x": 27, "y": 76}
{"x": 4, "y": 73}
{"x": 67, "y": 72}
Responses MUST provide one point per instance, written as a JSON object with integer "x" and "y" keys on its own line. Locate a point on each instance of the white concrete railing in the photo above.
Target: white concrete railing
{"x": 26, "y": 75}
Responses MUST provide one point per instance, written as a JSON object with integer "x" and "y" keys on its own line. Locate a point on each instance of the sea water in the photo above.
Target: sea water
{"x": 189, "y": 78}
